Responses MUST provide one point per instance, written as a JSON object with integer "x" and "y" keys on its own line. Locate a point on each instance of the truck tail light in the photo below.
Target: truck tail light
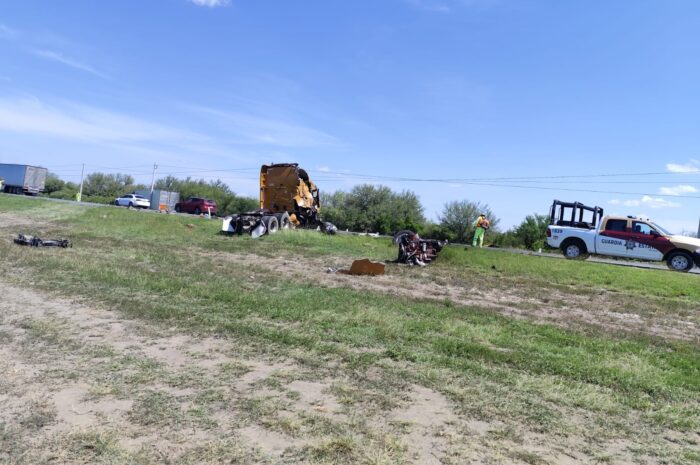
{"x": 549, "y": 232}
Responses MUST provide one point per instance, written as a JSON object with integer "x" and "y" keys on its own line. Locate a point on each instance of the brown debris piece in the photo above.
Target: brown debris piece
{"x": 365, "y": 267}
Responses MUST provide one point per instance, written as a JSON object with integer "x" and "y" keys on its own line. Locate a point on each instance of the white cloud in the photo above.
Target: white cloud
{"x": 7, "y": 32}
{"x": 678, "y": 190}
{"x": 448, "y": 6}
{"x": 70, "y": 121}
{"x": 646, "y": 200}
{"x": 693, "y": 166}
{"x": 431, "y": 5}
{"x": 79, "y": 122}
{"x": 262, "y": 130}
{"x": 658, "y": 202}
{"x": 58, "y": 57}
{"x": 211, "y": 3}
{"x": 625, "y": 203}
{"x": 323, "y": 169}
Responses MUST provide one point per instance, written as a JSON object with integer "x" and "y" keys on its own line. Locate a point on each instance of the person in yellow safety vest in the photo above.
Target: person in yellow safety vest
{"x": 480, "y": 226}
{"x": 78, "y": 197}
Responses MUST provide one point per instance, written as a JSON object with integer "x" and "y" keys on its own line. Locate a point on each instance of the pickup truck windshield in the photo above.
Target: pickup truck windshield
{"x": 663, "y": 231}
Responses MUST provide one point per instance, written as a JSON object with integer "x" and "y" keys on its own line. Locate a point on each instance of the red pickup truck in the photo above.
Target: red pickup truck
{"x": 196, "y": 205}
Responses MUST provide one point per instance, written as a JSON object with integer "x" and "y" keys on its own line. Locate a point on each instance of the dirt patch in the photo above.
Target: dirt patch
{"x": 15, "y": 220}
{"x": 68, "y": 369}
{"x": 259, "y": 371}
{"x": 428, "y": 416}
{"x": 315, "y": 396}
{"x": 74, "y": 412}
{"x": 270, "y": 441}
{"x": 602, "y": 309}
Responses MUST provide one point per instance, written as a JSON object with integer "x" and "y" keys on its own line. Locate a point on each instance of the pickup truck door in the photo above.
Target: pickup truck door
{"x": 649, "y": 244}
{"x": 613, "y": 238}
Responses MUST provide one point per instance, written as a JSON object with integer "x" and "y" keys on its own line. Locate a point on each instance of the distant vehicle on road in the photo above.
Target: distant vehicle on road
{"x": 132, "y": 200}
{"x": 22, "y": 179}
{"x": 196, "y": 205}
{"x": 577, "y": 234}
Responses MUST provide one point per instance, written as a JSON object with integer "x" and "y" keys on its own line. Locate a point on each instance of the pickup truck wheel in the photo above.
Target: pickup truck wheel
{"x": 271, "y": 224}
{"x": 574, "y": 249}
{"x": 177, "y": 209}
{"x": 197, "y": 211}
{"x": 131, "y": 204}
{"x": 679, "y": 261}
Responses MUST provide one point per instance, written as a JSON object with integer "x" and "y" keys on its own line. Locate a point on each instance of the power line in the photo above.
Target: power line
{"x": 585, "y": 190}
{"x": 329, "y": 176}
{"x": 516, "y": 178}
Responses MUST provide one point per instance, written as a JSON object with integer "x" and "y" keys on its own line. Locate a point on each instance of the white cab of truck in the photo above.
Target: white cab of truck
{"x": 579, "y": 230}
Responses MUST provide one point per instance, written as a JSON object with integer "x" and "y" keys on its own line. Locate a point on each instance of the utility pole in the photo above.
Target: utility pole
{"x": 698, "y": 229}
{"x": 80, "y": 194}
{"x": 153, "y": 179}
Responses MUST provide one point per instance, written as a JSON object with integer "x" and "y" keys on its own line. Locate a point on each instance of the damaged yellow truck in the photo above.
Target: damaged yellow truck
{"x": 288, "y": 199}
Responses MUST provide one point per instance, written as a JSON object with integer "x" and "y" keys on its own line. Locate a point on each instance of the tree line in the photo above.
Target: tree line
{"x": 365, "y": 208}
{"x": 104, "y": 188}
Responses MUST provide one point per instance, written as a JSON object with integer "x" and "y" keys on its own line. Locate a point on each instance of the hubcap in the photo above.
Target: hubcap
{"x": 679, "y": 262}
{"x": 573, "y": 251}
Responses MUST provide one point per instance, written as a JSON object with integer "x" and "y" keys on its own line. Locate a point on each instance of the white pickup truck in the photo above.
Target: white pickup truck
{"x": 617, "y": 236}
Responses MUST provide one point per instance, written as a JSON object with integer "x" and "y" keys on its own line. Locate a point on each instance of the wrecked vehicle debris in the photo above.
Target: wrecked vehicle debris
{"x": 416, "y": 251}
{"x": 364, "y": 267}
{"x": 288, "y": 199}
{"x": 34, "y": 241}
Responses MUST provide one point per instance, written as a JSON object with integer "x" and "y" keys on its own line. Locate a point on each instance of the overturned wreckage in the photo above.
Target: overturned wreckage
{"x": 34, "y": 241}
{"x": 416, "y": 251}
{"x": 288, "y": 198}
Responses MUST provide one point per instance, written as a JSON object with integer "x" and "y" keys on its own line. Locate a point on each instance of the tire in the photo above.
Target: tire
{"x": 116, "y": 202}
{"x": 197, "y": 211}
{"x": 271, "y": 224}
{"x": 131, "y": 204}
{"x": 679, "y": 260}
{"x": 177, "y": 209}
{"x": 574, "y": 249}
{"x": 399, "y": 235}
{"x": 283, "y": 220}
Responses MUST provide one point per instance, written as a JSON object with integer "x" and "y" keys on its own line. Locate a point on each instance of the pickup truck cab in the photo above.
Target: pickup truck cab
{"x": 618, "y": 236}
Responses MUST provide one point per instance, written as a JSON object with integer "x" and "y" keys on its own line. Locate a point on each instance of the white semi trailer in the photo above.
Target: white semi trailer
{"x": 22, "y": 179}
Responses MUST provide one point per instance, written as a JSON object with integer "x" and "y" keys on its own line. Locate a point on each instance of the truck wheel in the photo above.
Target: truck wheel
{"x": 271, "y": 224}
{"x": 574, "y": 249}
{"x": 283, "y": 220}
{"x": 679, "y": 261}
{"x": 131, "y": 204}
{"x": 177, "y": 209}
{"x": 197, "y": 211}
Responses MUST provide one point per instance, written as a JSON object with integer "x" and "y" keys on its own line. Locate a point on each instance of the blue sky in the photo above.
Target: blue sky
{"x": 452, "y": 90}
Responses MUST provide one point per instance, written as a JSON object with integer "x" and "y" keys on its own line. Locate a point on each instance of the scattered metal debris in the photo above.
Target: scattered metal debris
{"x": 364, "y": 267}
{"x": 34, "y": 241}
{"x": 416, "y": 251}
{"x": 329, "y": 228}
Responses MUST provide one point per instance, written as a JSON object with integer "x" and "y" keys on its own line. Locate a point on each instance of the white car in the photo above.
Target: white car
{"x": 133, "y": 200}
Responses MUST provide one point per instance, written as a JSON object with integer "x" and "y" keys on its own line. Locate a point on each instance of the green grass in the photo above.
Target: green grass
{"x": 118, "y": 224}
{"x": 153, "y": 267}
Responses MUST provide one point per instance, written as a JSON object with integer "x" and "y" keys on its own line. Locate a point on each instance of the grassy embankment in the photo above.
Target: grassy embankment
{"x": 549, "y": 379}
